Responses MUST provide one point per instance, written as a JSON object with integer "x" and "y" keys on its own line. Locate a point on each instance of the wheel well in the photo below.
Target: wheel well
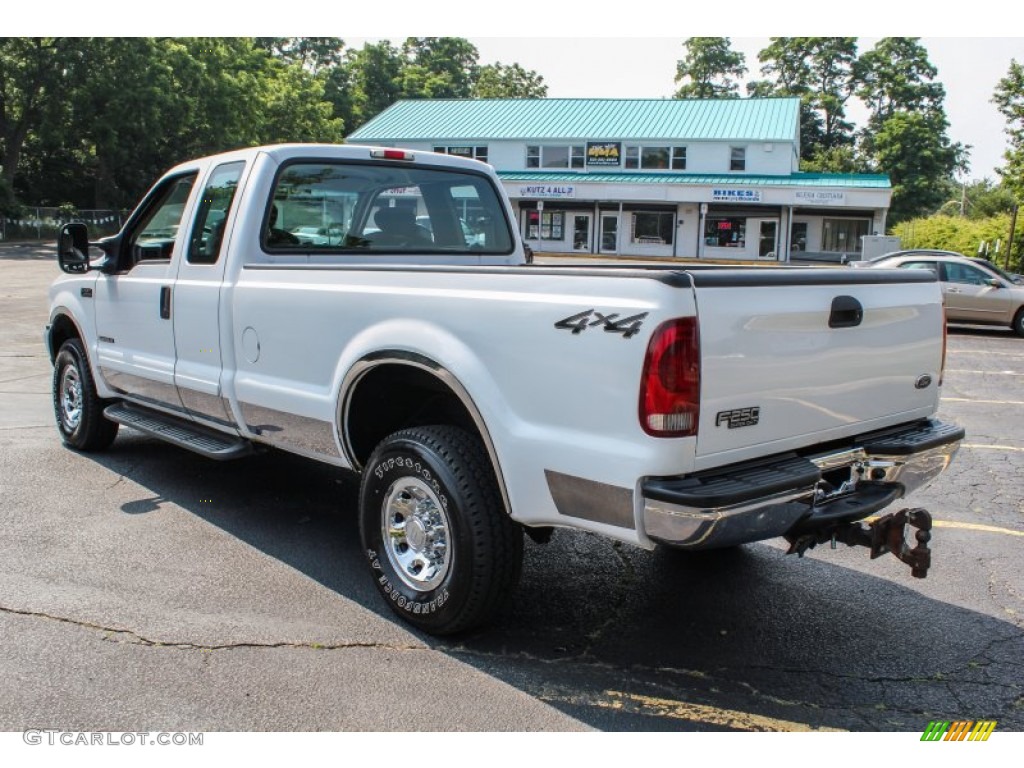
{"x": 393, "y": 396}
{"x": 61, "y": 329}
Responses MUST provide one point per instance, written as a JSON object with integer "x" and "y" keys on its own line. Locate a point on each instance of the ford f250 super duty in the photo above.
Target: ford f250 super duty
{"x": 375, "y": 309}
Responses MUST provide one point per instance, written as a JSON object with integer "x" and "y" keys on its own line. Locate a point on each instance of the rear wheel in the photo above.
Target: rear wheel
{"x": 1018, "y": 322}
{"x": 443, "y": 552}
{"x": 77, "y": 407}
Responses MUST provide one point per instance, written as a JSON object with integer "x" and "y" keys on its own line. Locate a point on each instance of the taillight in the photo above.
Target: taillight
{"x": 942, "y": 368}
{"x": 670, "y": 387}
{"x": 392, "y": 154}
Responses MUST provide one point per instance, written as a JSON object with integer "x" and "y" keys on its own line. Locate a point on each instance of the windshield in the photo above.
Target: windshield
{"x": 1005, "y": 275}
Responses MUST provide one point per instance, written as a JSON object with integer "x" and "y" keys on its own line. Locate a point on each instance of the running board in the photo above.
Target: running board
{"x": 180, "y": 432}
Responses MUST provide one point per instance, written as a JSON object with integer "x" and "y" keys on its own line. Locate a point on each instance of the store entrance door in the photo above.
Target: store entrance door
{"x": 609, "y": 232}
{"x": 767, "y": 238}
{"x": 581, "y": 232}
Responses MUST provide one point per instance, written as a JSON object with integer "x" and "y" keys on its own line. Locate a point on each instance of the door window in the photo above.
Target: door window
{"x": 962, "y": 273}
{"x": 766, "y": 245}
{"x": 581, "y": 233}
{"x": 153, "y": 237}
{"x": 208, "y": 229}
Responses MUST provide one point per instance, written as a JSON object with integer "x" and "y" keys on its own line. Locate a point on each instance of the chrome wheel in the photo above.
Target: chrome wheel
{"x": 416, "y": 534}
{"x": 71, "y": 398}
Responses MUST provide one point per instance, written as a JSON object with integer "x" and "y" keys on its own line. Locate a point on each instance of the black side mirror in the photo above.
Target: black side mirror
{"x": 73, "y": 248}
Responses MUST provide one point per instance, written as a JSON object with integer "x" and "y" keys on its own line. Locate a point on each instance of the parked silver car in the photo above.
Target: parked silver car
{"x": 974, "y": 290}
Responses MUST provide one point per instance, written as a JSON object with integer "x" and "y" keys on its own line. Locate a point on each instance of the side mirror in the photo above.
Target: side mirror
{"x": 994, "y": 282}
{"x": 73, "y": 248}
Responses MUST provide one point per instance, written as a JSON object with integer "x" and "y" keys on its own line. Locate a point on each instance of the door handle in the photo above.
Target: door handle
{"x": 952, "y": 290}
{"x": 165, "y": 302}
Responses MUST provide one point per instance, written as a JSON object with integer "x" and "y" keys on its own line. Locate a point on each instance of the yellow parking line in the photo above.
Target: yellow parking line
{"x": 981, "y": 402}
{"x": 992, "y": 447}
{"x": 698, "y": 713}
{"x": 976, "y": 527}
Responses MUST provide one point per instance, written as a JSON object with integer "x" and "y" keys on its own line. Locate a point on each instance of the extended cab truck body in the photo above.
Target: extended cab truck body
{"x": 481, "y": 395}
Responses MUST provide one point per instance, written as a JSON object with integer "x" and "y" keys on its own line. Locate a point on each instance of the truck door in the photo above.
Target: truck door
{"x": 135, "y": 335}
{"x": 197, "y": 298}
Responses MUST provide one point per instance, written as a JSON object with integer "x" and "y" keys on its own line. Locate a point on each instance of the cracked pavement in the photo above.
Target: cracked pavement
{"x": 147, "y": 588}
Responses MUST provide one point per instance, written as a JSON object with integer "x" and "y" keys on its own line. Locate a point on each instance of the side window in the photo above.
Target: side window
{"x": 361, "y": 207}
{"x": 962, "y": 273}
{"x": 930, "y": 265}
{"x": 208, "y": 229}
{"x": 154, "y": 235}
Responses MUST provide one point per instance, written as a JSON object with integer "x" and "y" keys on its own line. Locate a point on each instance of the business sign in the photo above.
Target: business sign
{"x": 820, "y": 197}
{"x": 736, "y": 195}
{"x": 604, "y": 152}
{"x": 548, "y": 190}
{"x": 461, "y": 152}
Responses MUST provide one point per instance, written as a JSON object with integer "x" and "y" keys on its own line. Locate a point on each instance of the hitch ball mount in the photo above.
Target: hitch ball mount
{"x": 883, "y": 535}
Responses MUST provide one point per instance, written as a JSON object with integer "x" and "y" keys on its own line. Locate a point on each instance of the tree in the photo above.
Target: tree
{"x": 1009, "y": 97}
{"x": 438, "y": 68}
{"x": 314, "y": 54}
{"x": 820, "y": 71}
{"x": 374, "y": 74}
{"x": 708, "y": 68}
{"x": 32, "y": 71}
{"x": 918, "y": 159}
{"x": 498, "y": 81}
{"x": 895, "y": 76}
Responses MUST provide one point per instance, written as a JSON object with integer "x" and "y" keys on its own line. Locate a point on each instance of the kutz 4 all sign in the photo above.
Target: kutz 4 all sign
{"x": 961, "y": 730}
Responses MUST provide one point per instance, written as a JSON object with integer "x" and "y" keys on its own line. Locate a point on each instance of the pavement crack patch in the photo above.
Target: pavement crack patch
{"x": 130, "y": 637}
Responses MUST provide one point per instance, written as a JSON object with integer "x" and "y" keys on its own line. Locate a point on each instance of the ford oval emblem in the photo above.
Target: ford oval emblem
{"x": 923, "y": 381}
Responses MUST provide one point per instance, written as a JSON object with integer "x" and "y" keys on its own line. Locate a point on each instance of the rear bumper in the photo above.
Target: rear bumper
{"x": 797, "y": 492}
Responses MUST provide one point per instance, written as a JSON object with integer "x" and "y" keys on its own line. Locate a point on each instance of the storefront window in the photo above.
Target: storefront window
{"x": 842, "y": 235}
{"x": 545, "y": 225}
{"x": 722, "y": 232}
{"x": 556, "y": 156}
{"x": 653, "y": 228}
{"x": 799, "y": 241}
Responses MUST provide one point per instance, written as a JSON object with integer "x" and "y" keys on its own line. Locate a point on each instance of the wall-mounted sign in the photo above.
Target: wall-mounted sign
{"x": 604, "y": 152}
{"x": 820, "y": 197}
{"x": 736, "y": 195}
{"x": 461, "y": 152}
{"x": 548, "y": 190}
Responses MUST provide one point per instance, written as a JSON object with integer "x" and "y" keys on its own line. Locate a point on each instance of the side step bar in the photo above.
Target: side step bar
{"x": 180, "y": 432}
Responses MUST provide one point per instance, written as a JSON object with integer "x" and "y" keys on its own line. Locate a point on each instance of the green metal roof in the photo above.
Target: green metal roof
{"x": 847, "y": 180}
{"x": 581, "y": 119}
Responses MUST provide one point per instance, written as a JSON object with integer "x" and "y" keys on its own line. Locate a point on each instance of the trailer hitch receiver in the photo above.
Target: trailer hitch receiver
{"x": 883, "y": 535}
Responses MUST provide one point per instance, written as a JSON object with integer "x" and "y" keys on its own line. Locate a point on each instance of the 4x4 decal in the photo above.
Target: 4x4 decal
{"x": 627, "y": 326}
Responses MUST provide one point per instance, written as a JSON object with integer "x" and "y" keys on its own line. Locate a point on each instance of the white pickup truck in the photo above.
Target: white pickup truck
{"x": 375, "y": 309}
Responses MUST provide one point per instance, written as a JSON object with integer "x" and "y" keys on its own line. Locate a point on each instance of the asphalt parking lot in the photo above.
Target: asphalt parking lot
{"x": 150, "y": 589}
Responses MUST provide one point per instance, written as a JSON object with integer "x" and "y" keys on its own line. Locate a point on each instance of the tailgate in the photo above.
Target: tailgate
{"x": 789, "y": 344}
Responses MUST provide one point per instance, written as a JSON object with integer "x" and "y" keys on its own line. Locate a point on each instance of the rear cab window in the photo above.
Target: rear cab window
{"x": 351, "y": 207}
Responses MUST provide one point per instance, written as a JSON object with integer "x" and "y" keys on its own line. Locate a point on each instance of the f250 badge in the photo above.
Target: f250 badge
{"x": 738, "y": 417}
{"x": 627, "y": 326}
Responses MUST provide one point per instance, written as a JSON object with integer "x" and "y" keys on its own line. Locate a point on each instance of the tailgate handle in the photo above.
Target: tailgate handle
{"x": 847, "y": 312}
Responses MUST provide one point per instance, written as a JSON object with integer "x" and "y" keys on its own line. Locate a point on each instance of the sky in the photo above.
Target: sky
{"x": 611, "y": 49}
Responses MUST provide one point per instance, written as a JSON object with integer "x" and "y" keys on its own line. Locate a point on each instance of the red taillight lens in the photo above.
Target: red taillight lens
{"x": 670, "y": 387}
{"x": 392, "y": 154}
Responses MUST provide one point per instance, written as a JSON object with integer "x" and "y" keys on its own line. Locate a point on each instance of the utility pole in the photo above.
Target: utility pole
{"x": 1009, "y": 245}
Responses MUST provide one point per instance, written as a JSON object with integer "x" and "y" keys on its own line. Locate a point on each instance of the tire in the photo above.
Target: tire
{"x": 76, "y": 406}
{"x": 1018, "y": 322}
{"x": 442, "y": 551}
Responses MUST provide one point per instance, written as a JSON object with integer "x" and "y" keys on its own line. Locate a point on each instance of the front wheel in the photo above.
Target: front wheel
{"x": 443, "y": 552}
{"x": 77, "y": 407}
{"x": 1018, "y": 322}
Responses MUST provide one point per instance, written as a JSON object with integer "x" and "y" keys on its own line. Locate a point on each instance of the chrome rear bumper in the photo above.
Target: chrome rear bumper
{"x": 762, "y": 500}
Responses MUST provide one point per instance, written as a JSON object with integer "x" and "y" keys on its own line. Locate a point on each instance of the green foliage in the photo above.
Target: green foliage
{"x": 955, "y": 233}
{"x": 708, "y": 68}
{"x": 498, "y": 81}
{"x": 438, "y": 68}
{"x": 1009, "y": 97}
{"x": 896, "y": 76}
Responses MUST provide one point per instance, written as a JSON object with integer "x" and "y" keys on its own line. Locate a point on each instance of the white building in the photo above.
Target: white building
{"x": 644, "y": 177}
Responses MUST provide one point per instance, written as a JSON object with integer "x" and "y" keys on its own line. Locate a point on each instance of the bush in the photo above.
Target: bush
{"x": 954, "y": 233}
